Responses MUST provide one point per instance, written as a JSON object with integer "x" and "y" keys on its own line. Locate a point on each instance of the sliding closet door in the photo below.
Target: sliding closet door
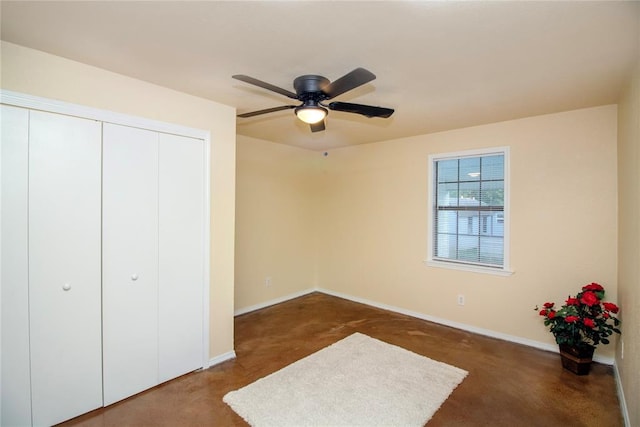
{"x": 130, "y": 261}
{"x": 14, "y": 162}
{"x": 181, "y": 254}
{"x": 153, "y": 258}
{"x": 64, "y": 266}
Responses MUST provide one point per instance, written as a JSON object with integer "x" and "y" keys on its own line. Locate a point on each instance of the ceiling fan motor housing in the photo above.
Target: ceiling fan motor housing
{"x": 310, "y": 87}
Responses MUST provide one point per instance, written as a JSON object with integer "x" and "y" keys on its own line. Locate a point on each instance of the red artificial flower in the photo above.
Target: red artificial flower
{"x": 585, "y": 318}
{"x": 572, "y": 301}
{"x": 589, "y": 298}
{"x": 593, "y": 287}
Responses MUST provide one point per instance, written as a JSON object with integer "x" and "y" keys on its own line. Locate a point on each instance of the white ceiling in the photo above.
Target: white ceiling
{"x": 441, "y": 65}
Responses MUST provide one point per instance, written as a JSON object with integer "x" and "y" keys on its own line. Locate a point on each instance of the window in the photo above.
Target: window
{"x": 469, "y": 210}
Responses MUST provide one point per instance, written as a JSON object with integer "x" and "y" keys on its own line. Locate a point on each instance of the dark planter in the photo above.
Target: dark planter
{"x": 577, "y": 360}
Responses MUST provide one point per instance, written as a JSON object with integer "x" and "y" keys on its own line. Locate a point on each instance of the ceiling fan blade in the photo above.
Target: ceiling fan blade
{"x": 349, "y": 81}
{"x": 317, "y": 127}
{"x": 265, "y": 111}
{"x": 365, "y": 110}
{"x": 265, "y": 85}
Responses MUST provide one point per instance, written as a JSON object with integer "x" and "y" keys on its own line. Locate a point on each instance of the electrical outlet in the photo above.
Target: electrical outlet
{"x": 267, "y": 281}
{"x": 460, "y": 299}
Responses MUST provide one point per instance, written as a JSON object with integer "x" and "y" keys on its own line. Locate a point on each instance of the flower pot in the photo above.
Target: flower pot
{"x": 577, "y": 360}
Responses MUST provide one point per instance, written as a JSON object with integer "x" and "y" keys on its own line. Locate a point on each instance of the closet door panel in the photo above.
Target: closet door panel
{"x": 130, "y": 261}
{"x": 181, "y": 198}
{"x": 64, "y": 266}
{"x": 14, "y": 164}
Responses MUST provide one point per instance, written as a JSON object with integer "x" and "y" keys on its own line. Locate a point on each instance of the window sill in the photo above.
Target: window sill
{"x": 468, "y": 267}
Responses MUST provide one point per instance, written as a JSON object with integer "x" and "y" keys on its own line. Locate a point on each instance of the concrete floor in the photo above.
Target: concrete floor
{"x": 508, "y": 384}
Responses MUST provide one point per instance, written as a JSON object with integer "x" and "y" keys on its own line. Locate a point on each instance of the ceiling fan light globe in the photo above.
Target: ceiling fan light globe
{"x": 311, "y": 115}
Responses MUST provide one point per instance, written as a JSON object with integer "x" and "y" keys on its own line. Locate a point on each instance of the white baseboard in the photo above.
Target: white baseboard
{"x": 274, "y": 301}
{"x": 623, "y": 401}
{"x": 221, "y": 358}
{"x": 457, "y": 325}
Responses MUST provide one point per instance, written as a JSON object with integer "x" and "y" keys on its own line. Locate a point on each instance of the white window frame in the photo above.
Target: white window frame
{"x": 505, "y": 270}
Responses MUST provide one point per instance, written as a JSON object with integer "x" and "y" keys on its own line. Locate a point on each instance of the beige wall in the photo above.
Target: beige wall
{"x": 563, "y": 232}
{"x": 276, "y": 221}
{"x": 629, "y": 244}
{"x": 368, "y": 210}
{"x": 37, "y": 73}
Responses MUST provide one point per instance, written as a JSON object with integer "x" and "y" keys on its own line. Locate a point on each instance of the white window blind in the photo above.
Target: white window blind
{"x": 468, "y": 208}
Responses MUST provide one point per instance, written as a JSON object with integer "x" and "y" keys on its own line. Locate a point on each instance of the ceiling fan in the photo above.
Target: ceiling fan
{"x": 312, "y": 90}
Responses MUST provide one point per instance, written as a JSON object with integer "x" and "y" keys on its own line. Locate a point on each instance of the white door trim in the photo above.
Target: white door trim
{"x": 61, "y": 107}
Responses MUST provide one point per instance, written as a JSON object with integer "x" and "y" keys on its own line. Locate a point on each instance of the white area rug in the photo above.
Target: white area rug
{"x": 358, "y": 381}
